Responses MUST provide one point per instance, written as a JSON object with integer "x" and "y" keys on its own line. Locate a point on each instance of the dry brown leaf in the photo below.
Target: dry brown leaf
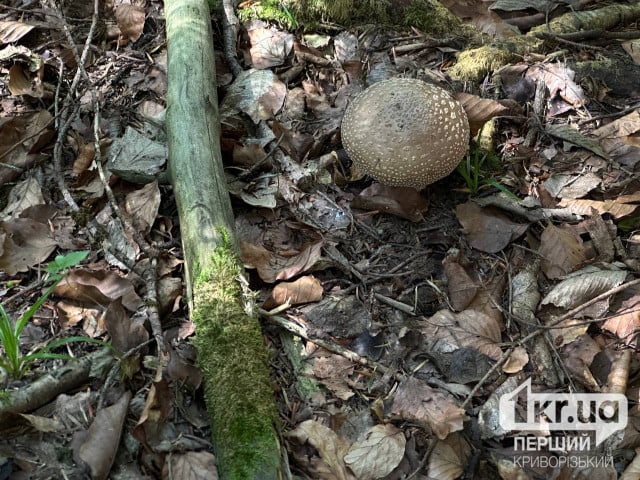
{"x": 21, "y": 138}
{"x": 24, "y": 243}
{"x": 272, "y": 266}
{"x": 469, "y": 328}
{"x": 577, "y": 356}
{"x": 334, "y": 372}
{"x": 487, "y": 229}
{"x": 190, "y": 466}
{"x": 562, "y": 251}
{"x": 99, "y": 449}
{"x": 130, "y": 20}
{"x": 378, "y": 453}
{"x": 625, "y": 322}
{"x": 479, "y": 110}
{"x": 12, "y": 31}
{"x": 582, "y": 286}
{"x": 126, "y": 333}
{"x": 404, "y": 202}
{"x": 559, "y": 79}
{"x": 516, "y": 361}
{"x": 23, "y": 81}
{"x": 331, "y": 447}
{"x": 269, "y": 47}
{"x": 417, "y": 402}
{"x": 305, "y": 289}
{"x": 461, "y": 288}
{"x": 617, "y": 207}
{"x": 143, "y": 206}
{"x": 23, "y": 195}
{"x": 98, "y": 288}
{"x": 449, "y": 457}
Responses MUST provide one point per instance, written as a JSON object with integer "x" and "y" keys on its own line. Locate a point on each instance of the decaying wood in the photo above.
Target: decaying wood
{"x": 43, "y": 390}
{"x": 231, "y": 351}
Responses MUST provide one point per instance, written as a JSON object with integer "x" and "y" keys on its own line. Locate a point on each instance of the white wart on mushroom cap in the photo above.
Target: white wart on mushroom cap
{"x": 405, "y": 132}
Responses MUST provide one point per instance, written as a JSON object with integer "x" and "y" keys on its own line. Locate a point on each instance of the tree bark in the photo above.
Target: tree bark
{"x": 231, "y": 351}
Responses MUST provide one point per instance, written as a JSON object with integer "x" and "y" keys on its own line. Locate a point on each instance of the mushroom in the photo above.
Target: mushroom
{"x": 405, "y": 132}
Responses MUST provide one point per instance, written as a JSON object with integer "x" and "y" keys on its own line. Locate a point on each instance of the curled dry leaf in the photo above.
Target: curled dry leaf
{"x": 417, "y": 402}
{"x": 577, "y": 358}
{"x": 625, "y": 323}
{"x": 378, "y": 454}
{"x": 305, "y": 289}
{"x": 517, "y": 360}
{"x": 98, "y": 288}
{"x": 461, "y": 288}
{"x": 479, "y": 110}
{"x": 269, "y": 47}
{"x": 331, "y": 447}
{"x": 618, "y": 207}
{"x": 130, "y": 20}
{"x": 404, "y": 202}
{"x": 258, "y": 93}
{"x": 334, "y": 372}
{"x": 272, "y": 266}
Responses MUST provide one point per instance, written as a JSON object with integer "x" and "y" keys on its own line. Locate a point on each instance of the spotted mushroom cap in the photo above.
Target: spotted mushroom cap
{"x": 405, "y": 132}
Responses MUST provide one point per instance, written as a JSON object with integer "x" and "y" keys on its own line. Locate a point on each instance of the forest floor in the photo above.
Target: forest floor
{"x": 412, "y": 333}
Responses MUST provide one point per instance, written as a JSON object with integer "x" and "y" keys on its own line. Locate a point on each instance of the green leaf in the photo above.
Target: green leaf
{"x": 62, "y": 262}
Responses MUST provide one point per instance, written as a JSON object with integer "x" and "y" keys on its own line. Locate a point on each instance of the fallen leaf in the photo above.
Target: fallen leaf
{"x": 469, "y": 328}
{"x": 333, "y": 372}
{"x": 562, "y": 251}
{"x": 305, "y": 289}
{"x": 378, "y": 454}
{"x": 414, "y": 401}
{"x": 404, "y": 202}
{"x": 98, "y": 288}
{"x": 12, "y": 31}
{"x": 24, "y": 243}
{"x": 190, "y": 466}
{"x": 487, "y": 229}
{"x": 516, "y": 361}
{"x": 99, "y": 449}
{"x": 331, "y": 447}
{"x": 269, "y": 47}
{"x": 582, "y": 286}
{"x": 130, "y": 19}
{"x": 449, "y": 457}
{"x": 143, "y": 205}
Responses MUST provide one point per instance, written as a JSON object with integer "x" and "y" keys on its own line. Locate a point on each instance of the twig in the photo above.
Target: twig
{"x": 523, "y": 340}
{"x": 230, "y": 34}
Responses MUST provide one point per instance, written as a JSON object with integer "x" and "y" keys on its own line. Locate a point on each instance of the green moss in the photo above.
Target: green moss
{"x": 475, "y": 64}
{"x": 431, "y": 17}
{"x": 234, "y": 361}
{"x": 270, "y": 10}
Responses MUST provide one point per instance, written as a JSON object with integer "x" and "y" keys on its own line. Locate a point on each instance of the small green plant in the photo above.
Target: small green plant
{"x": 13, "y": 361}
{"x": 473, "y": 169}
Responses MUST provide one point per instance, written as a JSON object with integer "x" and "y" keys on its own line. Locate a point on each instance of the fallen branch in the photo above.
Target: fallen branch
{"x": 231, "y": 350}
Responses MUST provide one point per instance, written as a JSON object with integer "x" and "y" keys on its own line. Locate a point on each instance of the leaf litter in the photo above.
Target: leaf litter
{"x": 432, "y": 289}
